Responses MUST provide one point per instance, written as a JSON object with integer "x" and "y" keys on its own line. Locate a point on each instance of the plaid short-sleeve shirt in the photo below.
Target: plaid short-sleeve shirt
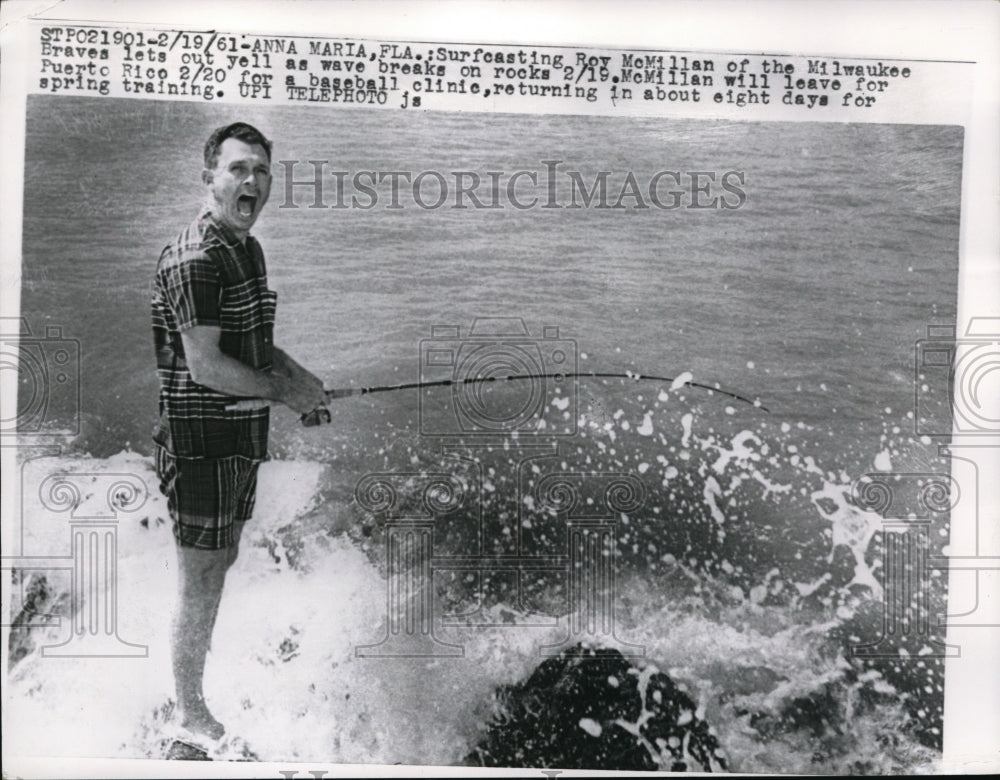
{"x": 208, "y": 277}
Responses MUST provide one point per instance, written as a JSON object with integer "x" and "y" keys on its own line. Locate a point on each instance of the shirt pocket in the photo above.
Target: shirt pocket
{"x": 268, "y": 308}
{"x": 248, "y": 325}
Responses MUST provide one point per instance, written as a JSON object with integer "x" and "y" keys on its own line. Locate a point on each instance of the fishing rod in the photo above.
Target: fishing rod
{"x": 321, "y": 414}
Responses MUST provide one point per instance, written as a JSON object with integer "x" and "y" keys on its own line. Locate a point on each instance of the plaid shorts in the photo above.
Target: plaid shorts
{"x": 205, "y": 497}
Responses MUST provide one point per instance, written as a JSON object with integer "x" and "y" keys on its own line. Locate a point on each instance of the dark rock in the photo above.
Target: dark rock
{"x": 41, "y": 604}
{"x": 589, "y": 708}
{"x": 182, "y": 751}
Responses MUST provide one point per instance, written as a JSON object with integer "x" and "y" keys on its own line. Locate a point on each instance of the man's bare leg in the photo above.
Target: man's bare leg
{"x": 201, "y": 575}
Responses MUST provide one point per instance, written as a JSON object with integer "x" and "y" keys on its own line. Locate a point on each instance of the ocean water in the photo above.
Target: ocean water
{"x": 747, "y": 551}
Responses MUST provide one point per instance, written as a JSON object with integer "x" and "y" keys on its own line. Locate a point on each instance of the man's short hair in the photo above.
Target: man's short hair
{"x": 241, "y": 131}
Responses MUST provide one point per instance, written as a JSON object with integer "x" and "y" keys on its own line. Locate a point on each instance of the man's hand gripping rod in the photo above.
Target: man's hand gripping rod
{"x": 317, "y": 416}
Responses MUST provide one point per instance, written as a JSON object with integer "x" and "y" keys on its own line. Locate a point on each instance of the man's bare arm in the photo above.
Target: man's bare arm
{"x": 283, "y": 363}
{"x": 211, "y": 367}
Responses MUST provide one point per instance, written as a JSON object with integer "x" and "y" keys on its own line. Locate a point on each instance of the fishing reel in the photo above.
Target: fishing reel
{"x": 321, "y": 415}
{"x": 318, "y": 416}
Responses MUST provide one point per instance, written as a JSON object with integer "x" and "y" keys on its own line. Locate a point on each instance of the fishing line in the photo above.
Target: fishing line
{"x": 322, "y": 414}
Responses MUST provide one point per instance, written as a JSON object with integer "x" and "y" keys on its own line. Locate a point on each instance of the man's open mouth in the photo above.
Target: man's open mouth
{"x": 245, "y": 204}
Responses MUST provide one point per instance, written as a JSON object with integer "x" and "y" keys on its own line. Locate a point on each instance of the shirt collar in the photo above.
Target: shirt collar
{"x": 227, "y": 234}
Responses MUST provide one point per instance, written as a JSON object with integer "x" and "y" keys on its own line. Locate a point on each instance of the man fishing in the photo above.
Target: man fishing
{"x": 213, "y": 322}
